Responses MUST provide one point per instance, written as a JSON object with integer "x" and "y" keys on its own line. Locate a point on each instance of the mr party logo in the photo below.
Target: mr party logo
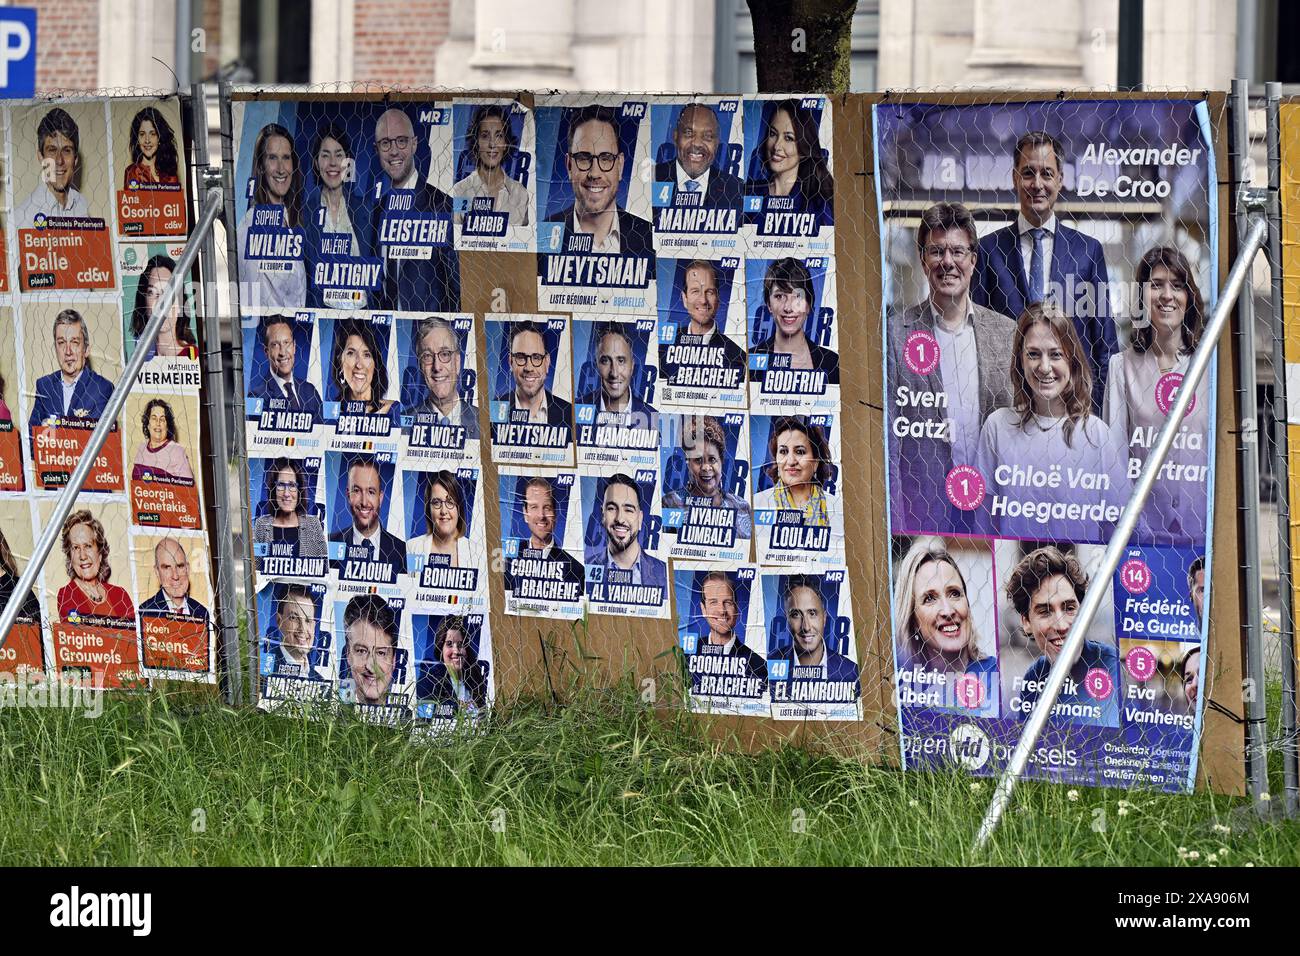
{"x": 970, "y": 746}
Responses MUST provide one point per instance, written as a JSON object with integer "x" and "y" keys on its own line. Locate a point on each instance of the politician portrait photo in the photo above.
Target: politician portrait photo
{"x": 293, "y": 641}
{"x": 535, "y": 513}
{"x": 410, "y": 169}
{"x": 1041, "y": 590}
{"x": 452, "y": 668}
{"x": 279, "y": 349}
{"x": 149, "y": 174}
{"x": 373, "y": 658}
{"x": 61, "y": 163}
{"x": 787, "y": 143}
{"x": 613, "y": 379}
{"x": 171, "y": 576}
{"x": 360, "y": 486}
{"x": 141, "y": 294}
{"x": 358, "y": 380}
{"x": 436, "y": 352}
{"x": 75, "y": 394}
{"x": 272, "y": 274}
{"x": 792, "y": 325}
{"x": 531, "y": 371}
{"x": 165, "y": 430}
{"x": 805, "y": 632}
{"x": 286, "y": 511}
{"x": 493, "y": 164}
{"x": 620, "y": 530}
{"x": 593, "y": 154}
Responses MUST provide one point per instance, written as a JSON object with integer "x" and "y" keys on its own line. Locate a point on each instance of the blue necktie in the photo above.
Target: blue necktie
{"x": 1036, "y": 267}
{"x": 692, "y": 185}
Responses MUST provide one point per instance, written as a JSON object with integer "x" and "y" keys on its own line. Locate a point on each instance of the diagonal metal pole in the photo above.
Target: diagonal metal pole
{"x": 1237, "y": 278}
{"x": 113, "y": 408}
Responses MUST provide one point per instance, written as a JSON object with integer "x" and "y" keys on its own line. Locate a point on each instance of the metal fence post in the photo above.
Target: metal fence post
{"x": 215, "y": 385}
{"x": 1281, "y": 463}
{"x": 237, "y": 371}
{"x": 1248, "y": 447}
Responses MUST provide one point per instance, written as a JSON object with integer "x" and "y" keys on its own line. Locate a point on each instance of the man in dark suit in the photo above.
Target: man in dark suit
{"x": 621, "y": 516}
{"x": 530, "y": 363}
{"x": 296, "y": 394}
{"x": 973, "y": 374}
{"x": 539, "y": 516}
{"x": 701, "y": 300}
{"x": 365, "y": 539}
{"x": 718, "y": 603}
{"x": 696, "y": 139}
{"x": 1036, "y": 257}
{"x": 74, "y": 395}
{"x": 594, "y": 162}
{"x": 426, "y": 285}
{"x": 172, "y": 567}
{"x": 441, "y": 358}
{"x": 805, "y": 616}
{"x": 617, "y": 366}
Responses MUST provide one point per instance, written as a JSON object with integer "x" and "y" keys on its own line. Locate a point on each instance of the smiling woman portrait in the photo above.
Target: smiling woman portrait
{"x": 1050, "y": 427}
{"x": 85, "y": 558}
{"x": 492, "y": 143}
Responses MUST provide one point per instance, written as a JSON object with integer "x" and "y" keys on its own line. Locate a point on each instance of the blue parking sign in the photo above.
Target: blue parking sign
{"x": 17, "y": 52}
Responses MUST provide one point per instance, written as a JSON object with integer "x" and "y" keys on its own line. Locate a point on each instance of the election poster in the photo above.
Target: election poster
{"x": 795, "y": 478}
{"x": 702, "y": 333}
{"x": 437, "y": 361}
{"x": 541, "y": 542}
{"x": 13, "y": 454}
{"x": 372, "y": 632}
{"x": 723, "y": 637}
{"x": 494, "y": 189}
{"x": 531, "y": 380}
{"x": 1049, "y": 271}
{"x": 595, "y": 239}
{"x": 345, "y": 205}
{"x": 698, "y": 177}
{"x": 73, "y": 356}
{"x": 162, "y": 432}
{"x": 173, "y": 599}
{"x": 789, "y": 187}
{"x": 24, "y": 654}
{"x": 282, "y": 382}
{"x": 63, "y": 205}
{"x": 706, "y": 472}
{"x": 454, "y": 681}
{"x": 146, "y": 268}
{"x": 625, "y": 571}
{"x": 794, "y": 361}
{"x": 297, "y": 659}
{"x": 149, "y": 169}
{"x": 615, "y": 371}
{"x": 88, "y": 600}
{"x": 288, "y": 510}
{"x": 812, "y": 658}
{"x": 446, "y": 538}
{"x": 359, "y": 386}
{"x": 367, "y": 547}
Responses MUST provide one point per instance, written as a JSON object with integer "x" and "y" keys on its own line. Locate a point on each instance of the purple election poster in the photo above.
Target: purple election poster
{"x": 1049, "y": 268}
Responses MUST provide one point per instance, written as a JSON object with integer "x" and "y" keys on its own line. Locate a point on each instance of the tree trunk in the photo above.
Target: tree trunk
{"x": 802, "y": 46}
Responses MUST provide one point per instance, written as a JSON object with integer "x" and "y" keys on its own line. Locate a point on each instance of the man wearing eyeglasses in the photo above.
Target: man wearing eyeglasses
{"x": 438, "y": 351}
{"x": 594, "y": 162}
{"x": 721, "y": 611}
{"x": 1036, "y": 258}
{"x": 530, "y": 363}
{"x": 402, "y": 215}
{"x": 940, "y": 406}
{"x": 370, "y": 633}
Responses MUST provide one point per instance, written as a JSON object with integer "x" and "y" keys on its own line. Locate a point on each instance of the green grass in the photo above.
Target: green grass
{"x": 592, "y": 783}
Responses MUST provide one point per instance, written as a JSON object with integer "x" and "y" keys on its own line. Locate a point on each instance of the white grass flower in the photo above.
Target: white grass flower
{"x": 1212, "y": 858}
{"x": 1248, "y": 863}
{"x": 1124, "y": 804}
{"x": 1220, "y": 828}
{"x": 1193, "y": 855}
{"x": 913, "y": 802}
{"x": 1073, "y": 796}
{"x": 1265, "y": 797}
{"x": 977, "y": 786}
{"x": 1122, "y": 811}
